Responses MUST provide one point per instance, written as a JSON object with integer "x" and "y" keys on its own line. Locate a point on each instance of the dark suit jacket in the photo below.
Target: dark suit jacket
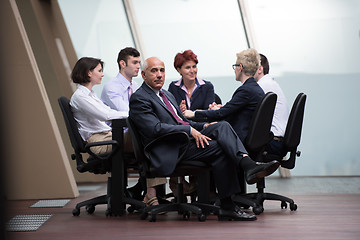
{"x": 201, "y": 98}
{"x": 238, "y": 111}
{"x": 153, "y": 119}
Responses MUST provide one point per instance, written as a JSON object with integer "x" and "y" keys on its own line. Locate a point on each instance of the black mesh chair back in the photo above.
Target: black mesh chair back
{"x": 259, "y": 133}
{"x": 291, "y": 141}
{"x": 293, "y": 130}
{"x": 76, "y": 141}
{"x": 183, "y": 168}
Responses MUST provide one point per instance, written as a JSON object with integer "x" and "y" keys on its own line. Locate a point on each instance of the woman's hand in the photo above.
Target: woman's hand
{"x": 214, "y": 106}
{"x": 208, "y": 124}
{"x": 182, "y": 106}
{"x": 189, "y": 114}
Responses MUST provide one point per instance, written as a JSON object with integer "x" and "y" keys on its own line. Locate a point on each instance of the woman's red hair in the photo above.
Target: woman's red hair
{"x": 181, "y": 58}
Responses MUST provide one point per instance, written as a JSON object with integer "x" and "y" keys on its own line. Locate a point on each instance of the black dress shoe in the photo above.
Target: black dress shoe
{"x": 237, "y": 215}
{"x": 260, "y": 171}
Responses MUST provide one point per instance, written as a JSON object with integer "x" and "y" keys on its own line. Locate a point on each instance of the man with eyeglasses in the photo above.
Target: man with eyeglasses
{"x": 239, "y": 110}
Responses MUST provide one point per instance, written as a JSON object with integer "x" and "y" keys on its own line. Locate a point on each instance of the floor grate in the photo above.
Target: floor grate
{"x": 26, "y": 223}
{"x": 50, "y": 203}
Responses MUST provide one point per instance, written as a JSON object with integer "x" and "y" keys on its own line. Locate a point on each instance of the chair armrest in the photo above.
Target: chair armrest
{"x": 182, "y": 138}
{"x": 115, "y": 148}
{"x": 290, "y": 162}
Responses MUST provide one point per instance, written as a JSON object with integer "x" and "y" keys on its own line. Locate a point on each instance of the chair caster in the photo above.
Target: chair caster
{"x": 202, "y": 217}
{"x": 143, "y": 215}
{"x": 283, "y": 205}
{"x": 152, "y": 218}
{"x": 258, "y": 210}
{"x": 76, "y": 212}
{"x": 293, "y": 206}
{"x": 90, "y": 209}
{"x": 108, "y": 212}
{"x": 186, "y": 215}
{"x": 131, "y": 209}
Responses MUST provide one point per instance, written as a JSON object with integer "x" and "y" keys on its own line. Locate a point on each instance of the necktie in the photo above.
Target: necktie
{"x": 168, "y": 105}
{"x": 130, "y": 91}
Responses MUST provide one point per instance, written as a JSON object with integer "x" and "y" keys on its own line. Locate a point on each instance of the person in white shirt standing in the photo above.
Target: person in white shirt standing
{"x": 281, "y": 114}
{"x": 89, "y": 111}
{"x": 116, "y": 94}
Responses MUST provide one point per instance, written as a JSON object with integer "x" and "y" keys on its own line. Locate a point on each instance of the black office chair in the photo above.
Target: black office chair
{"x": 184, "y": 168}
{"x": 291, "y": 141}
{"x": 259, "y": 135}
{"x": 97, "y": 164}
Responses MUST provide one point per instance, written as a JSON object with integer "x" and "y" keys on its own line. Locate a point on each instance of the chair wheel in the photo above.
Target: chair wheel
{"x": 293, "y": 207}
{"x": 202, "y": 217}
{"x": 143, "y": 215}
{"x": 152, "y": 218}
{"x": 131, "y": 209}
{"x": 108, "y": 212}
{"x": 90, "y": 209}
{"x": 283, "y": 205}
{"x": 186, "y": 215}
{"x": 76, "y": 212}
{"x": 258, "y": 210}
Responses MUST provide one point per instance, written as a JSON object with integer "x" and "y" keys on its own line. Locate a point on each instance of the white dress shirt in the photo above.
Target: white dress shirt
{"x": 115, "y": 93}
{"x": 281, "y": 114}
{"x": 91, "y": 113}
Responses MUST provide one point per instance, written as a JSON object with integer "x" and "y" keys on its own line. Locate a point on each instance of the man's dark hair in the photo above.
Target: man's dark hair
{"x": 264, "y": 64}
{"x": 125, "y": 53}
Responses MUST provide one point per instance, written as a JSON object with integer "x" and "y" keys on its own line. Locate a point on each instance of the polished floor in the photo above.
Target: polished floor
{"x": 328, "y": 208}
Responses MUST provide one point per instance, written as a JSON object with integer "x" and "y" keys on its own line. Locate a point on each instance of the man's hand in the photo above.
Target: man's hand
{"x": 189, "y": 114}
{"x": 200, "y": 139}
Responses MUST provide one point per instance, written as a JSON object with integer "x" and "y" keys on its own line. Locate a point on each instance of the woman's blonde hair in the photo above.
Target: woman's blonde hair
{"x": 250, "y": 61}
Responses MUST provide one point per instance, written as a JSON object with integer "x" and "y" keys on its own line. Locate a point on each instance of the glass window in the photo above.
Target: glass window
{"x": 213, "y": 30}
{"x": 313, "y": 47}
{"x": 98, "y": 29}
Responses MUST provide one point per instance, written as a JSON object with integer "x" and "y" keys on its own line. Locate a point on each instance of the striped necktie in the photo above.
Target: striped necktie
{"x": 171, "y": 109}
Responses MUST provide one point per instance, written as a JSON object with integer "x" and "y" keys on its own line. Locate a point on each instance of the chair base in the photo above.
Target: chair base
{"x": 257, "y": 201}
{"x": 182, "y": 208}
{"x": 106, "y": 199}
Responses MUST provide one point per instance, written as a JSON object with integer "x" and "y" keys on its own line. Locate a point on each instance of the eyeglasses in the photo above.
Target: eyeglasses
{"x": 235, "y": 65}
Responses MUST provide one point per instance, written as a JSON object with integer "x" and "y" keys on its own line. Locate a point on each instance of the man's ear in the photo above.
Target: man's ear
{"x": 261, "y": 69}
{"x": 122, "y": 64}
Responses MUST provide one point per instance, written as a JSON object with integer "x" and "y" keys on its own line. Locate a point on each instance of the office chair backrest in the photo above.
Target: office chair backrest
{"x": 137, "y": 146}
{"x": 294, "y": 126}
{"x": 259, "y": 133}
{"x": 76, "y": 141}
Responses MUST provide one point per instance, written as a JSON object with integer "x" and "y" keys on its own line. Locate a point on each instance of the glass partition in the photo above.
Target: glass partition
{"x": 212, "y": 29}
{"x": 98, "y": 28}
{"x": 314, "y": 47}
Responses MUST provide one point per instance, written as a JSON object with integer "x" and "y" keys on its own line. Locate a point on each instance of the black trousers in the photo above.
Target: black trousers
{"x": 224, "y": 154}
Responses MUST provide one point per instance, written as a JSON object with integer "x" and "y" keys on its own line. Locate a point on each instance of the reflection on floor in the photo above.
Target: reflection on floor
{"x": 305, "y": 185}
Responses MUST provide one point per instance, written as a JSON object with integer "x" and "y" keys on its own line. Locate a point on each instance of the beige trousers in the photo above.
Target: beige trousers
{"x": 128, "y": 147}
{"x": 97, "y": 137}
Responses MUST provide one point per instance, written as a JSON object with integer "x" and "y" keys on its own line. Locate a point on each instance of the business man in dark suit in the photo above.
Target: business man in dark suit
{"x": 156, "y": 113}
{"x": 239, "y": 110}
